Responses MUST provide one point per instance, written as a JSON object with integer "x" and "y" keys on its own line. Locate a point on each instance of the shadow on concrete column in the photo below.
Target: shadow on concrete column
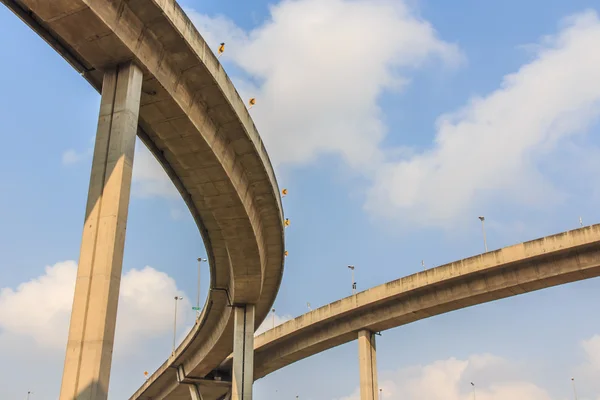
{"x": 91, "y": 334}
{"x": 243, "y": 353}
{"x": 195, "y": 392}
{"x": 368, "y": 365}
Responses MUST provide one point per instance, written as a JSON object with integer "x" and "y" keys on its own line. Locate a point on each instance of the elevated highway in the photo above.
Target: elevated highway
{"x": 160, "y": 80}
{"x": 522, "y": 268}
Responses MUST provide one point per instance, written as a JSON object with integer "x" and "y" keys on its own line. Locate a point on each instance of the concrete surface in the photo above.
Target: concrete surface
{"x": 92, "y": 330}
{"x": 243, "y": 353}
{"x": 194, "y": 122}
{"x": 525, "y": 267}
{"x": 367, "y": 365}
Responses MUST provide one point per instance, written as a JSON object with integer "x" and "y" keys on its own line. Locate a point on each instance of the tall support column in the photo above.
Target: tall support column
{"x": 368, "y": 365}
{"x": 195, "y": 393}
{"x": 243, "y": 353}
{"x": 92, "y": 330}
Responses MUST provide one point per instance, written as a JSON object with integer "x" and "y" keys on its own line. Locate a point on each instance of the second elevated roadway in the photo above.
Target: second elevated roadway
{"x": 525, "y": 267}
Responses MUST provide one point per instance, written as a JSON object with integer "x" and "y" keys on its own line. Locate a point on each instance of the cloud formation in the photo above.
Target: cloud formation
{"x": 494, "y": 378}
{"x": 271, "y": 321}
{"x": 72, "y": 156}
{"x": 451, "y": 379}
{"x": 318, "y": 67}
{"x": 493, "y": 147}
{"x": 149, "y": 179}
{"x": 40, "y": 308}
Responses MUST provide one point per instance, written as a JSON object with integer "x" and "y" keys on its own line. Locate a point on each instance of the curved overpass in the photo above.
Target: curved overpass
{"x": 525, "y": 267}
{"x": 194, "y": 122}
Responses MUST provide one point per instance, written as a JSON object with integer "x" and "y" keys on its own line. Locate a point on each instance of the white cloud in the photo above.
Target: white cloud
{"x": 177, "y": 214}
{"x": 317, "y": 68}
{"x": 493, "y": 146}
{"x": 149, "y": 177}
{"x": 72, "y": 156}
{"x": 40, "y": 308}
{"x": 451, "y": 380}
{"x": 586, "y": 374}
{"x": 272, "y": 320}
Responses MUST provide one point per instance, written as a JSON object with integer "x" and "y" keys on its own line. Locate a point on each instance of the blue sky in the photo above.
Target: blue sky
{"x": 393, "y": 126}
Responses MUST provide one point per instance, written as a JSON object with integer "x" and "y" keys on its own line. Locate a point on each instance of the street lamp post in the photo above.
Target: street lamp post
{"x": 198, "y": 294}
{"x": 482, "y": 219}
{"x": 308, "y": 305}
{"x": 353, "y": 282}
{"x": 177, "y": 298}
{"x": 29, "y": 393}
{"x": 472, "y": 384}
{"x": 574, "y": 389}
{"x": 273, "y": 311}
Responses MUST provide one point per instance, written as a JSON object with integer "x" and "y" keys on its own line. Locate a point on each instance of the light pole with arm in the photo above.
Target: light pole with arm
{"x": 351, "y": 267}
{"x": 198, "y": 294}
{"x": 482, "y": 219}
{"x": 273, "y": 311}
{"x": 177, "y": 298}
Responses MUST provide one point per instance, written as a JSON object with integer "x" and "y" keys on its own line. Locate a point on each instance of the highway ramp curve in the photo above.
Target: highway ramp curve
{"x": 195, "y": 124}
{"x": 534, "y": 265}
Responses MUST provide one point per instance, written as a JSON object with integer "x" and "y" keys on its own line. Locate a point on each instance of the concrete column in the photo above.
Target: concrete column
{"x": 92, "y": 330}
{"x": 368, "y": 365}
{"x": 195, "y": 393}
{"x": 243, "y": 353}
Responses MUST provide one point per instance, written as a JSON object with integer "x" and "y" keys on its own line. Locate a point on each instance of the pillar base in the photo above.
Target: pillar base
{"x": 243, "y": 353}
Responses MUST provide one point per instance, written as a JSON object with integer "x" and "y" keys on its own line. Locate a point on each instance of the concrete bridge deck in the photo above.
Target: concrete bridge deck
{"x": 194, "y": 122}
{"x": 525, "y": 267}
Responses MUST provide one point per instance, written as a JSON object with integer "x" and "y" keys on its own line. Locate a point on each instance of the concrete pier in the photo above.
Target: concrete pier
{"x": 368, "y": 365}
{"x": 243, "y": 353}
{"x": 92, "y": 330}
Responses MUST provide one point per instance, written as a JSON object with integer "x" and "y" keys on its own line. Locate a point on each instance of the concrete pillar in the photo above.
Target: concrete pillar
{"x": 243, "y": 353}
{"x": 368, "y": 365}
{"x": 92, "y": 330}
{"x": 195, "y": 393}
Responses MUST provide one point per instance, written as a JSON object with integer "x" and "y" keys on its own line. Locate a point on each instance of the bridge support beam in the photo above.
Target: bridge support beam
{"x": 243, "y": 353}
{"x": 195, "y": 392}
{"x": 368, "y": 365}
{"x": 91, "y": 334}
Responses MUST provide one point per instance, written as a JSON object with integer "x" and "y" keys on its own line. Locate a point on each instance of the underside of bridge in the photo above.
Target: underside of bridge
{"x": 160, "y": 81}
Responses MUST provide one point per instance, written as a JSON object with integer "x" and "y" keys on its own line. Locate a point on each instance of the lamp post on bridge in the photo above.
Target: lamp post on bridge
{"x": 29, "y": 393}
{"x": 198, "y": 294}
{"x": 273, "y": 311}
{"x": 472, "y": 384}
{"x": 177, "y": 298}
{"x": 351, "y": 267}
{"x": 574, "y": 389}
{"x": 482, "y": 219}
